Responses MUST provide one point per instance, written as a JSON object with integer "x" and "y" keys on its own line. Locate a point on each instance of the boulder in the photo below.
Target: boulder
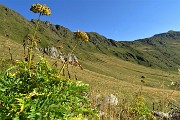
{"x": 52, "y": 51}
{"x": 109, "y": 102}
{"x": 111, "y": 99}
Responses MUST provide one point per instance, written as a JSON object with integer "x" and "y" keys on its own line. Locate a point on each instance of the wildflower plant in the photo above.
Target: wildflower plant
{"x": 42, "y": 10}
{"x": 80, "y": 36}
{"x": 34, "y": 90}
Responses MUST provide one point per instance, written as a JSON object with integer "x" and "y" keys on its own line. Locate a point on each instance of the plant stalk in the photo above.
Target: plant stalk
{"x": 70, "y": 54}
{"x": 32, "y": 42}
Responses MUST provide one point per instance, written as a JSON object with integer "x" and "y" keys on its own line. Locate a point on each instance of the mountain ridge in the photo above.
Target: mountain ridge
{"x": 159, "y": 51}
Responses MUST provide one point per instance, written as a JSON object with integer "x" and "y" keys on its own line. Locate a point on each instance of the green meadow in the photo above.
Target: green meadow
{"x": 139, "y": 73}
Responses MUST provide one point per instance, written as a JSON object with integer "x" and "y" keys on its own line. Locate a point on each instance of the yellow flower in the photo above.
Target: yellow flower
{"x": 38, "y": 8}
{"x": 33, "y": 94}
{"x": 82, "y": 35}
{"x": 21, "y": 104}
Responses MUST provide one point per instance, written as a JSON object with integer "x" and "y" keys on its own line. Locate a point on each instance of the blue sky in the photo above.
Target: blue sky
{"x": 122, "y": 20}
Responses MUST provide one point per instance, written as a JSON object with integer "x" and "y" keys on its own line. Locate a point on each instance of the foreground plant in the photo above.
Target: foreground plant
{"x": 34, "y": 90}
{"x": 43, "y": 95}
{"x": 42, "y": 10}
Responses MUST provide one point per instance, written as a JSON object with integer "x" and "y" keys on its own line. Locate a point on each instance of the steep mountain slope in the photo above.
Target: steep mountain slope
{"x": 160, "y": 51}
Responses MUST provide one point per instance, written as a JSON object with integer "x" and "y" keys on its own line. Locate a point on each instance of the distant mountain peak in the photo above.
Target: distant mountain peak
{"x": 169, "y": 34}
{"x": 171, "y": 31}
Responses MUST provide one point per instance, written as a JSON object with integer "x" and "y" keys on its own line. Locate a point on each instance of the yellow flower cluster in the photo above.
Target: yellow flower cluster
{"x": 38, "y": 8}
{"x": 82, "y": 35}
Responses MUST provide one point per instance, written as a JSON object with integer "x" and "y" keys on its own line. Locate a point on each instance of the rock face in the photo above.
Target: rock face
{"x": 58, "y": 27}
{"x": 72, "y": 59}
{"x": 54, "y": 53}
{"x": 51, "y": 51}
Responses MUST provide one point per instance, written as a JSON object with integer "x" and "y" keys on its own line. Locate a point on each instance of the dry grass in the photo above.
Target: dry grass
{"x": 123, "y": 79}
{"x": 110, "y": 75}
{"x": 5, "y": 44}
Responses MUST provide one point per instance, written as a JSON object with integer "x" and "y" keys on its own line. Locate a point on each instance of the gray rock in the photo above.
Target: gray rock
{"x": 54, "y": 53}
{"x": 48, "y": 23}
{"x": 108, "y": 101}
{"x": 72, "y": 58}
{"x": 175, "y": 115}
{"x": 111, "y": 99}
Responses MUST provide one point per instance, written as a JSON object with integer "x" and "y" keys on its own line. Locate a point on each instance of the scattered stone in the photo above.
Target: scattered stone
{"x": 108, "y": 101}
{"x": 111, "y": 99}
{"x": 175, "y": 115}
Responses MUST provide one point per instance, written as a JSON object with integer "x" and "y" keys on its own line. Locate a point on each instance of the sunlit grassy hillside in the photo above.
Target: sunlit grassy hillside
{"x": 140, "y": 73}
{"x": 160, "y": 51}
{"x": 110, "y": 75}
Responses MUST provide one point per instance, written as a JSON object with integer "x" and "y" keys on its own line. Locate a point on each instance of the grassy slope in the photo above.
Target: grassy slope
{"x": 124, "y": 79}
{"x": 160, "y": 51}
{"x": 104, "y": 71}
{"x": 112, "y": 75}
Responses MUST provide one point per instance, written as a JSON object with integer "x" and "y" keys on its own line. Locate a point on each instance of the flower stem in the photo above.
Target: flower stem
{"x": 32, "y": 42}
{"x": 70, "y": 54}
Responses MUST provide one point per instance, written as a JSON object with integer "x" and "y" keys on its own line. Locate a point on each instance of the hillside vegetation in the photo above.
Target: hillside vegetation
{"x": 160, "y": 51}
{"x": 121, "y": 68}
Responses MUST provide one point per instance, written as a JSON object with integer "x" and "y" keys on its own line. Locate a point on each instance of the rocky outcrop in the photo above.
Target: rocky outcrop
{"x": 111, "y": 99}
{"x": 51, "y": 51}
{"x": 55, "y": 53}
